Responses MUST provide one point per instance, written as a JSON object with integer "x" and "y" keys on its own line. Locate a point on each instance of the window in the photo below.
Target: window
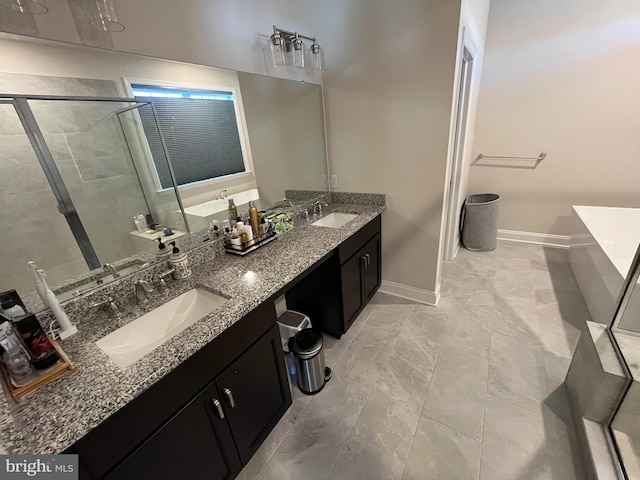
{"x": 200, "y": 130}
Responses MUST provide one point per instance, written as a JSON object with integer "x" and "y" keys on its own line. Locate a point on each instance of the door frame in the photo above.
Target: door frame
{"x": 464, "y": 81}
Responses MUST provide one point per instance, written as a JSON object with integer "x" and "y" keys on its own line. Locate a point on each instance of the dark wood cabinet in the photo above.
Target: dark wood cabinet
{"x": 254, "y": 393}
{"x": 336, "y": 291}
{"x": 194, "y": 444}
{"x": 218, "y": 431}
{"x": 372, "y": 272}
{"x": 352, "y": 298}
{"x": 360, "y": 279}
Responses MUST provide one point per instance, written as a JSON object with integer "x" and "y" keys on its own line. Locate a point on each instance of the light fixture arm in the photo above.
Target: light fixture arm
{"x": 290, "y": 36}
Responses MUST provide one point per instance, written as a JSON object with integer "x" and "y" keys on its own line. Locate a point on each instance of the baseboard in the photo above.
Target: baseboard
{"x": 411, "y": 293}
{"x": 547, "y": 239}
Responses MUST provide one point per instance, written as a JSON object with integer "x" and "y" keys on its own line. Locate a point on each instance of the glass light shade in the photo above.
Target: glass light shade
{"x": 298, "y": 53}
{"x": 316, "y": 54}
{"x": 29, "y": 7}
{"x": 278, "y": 51}
{"x": 106, "y": 20}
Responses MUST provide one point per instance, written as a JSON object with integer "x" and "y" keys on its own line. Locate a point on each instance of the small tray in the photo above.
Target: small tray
{"x": 63, "y": 365}
{"x": 242, "y": 251}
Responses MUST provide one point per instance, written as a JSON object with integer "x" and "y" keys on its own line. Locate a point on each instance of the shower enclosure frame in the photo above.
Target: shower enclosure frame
{"x": 65, "y": 204}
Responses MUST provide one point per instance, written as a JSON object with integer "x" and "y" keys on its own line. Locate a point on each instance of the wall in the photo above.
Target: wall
{"x": 560, "y": 77}
{"x": 388, "y": 106}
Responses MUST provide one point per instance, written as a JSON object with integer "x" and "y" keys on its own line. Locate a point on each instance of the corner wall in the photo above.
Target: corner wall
{"x": 561, "y": 78}
{"x": 389, "y": 108}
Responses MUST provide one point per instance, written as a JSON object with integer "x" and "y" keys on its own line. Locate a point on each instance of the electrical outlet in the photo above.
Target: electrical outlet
{"x": 325, "y": 181}
{"x": 334, "y": 181}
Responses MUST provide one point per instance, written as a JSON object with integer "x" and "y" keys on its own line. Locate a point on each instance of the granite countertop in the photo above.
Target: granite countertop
{"x": 58, "y": 414}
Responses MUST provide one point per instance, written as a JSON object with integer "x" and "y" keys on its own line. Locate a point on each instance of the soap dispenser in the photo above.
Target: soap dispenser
{"x": 180, "y": 263}
{"x": 163, "y": 253}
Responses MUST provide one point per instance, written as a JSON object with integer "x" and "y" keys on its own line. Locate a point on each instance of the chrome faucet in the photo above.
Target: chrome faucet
{"x": 108, "y": 268}
{"x": 317, "y": 207}
{"x": 162, "y": 276}
{"x": 142, "y": 289}
{"x": 108, "y": 302}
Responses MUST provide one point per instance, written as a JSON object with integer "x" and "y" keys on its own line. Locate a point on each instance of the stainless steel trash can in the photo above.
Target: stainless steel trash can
{"x": 312, "y": 373}
{"x": 479, "y": 222}
{"x": 290, "y": 323}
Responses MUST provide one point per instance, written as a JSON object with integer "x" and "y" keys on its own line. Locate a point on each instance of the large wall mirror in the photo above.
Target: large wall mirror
{"x": 92, "y": 139}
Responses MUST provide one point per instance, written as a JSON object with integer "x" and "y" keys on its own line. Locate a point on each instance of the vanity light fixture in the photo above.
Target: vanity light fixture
{"x": 29, "y": 7}
{"x": 287, "y": 48}
{"x": 106, "y": 19}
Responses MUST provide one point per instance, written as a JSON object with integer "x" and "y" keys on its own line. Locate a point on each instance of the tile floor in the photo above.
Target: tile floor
{"x": 471, "y": 389}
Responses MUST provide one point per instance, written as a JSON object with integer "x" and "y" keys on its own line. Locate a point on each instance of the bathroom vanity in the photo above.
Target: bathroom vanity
{"x": 206, "y": 399}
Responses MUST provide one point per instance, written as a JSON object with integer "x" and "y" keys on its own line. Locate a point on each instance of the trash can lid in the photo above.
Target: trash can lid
{"x": 306, "y": 343}
{"x": 291, "y": 318}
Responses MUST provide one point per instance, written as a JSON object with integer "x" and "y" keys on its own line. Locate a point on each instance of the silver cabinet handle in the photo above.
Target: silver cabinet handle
{"x": 368, "y": 259}
{"x": 218, "y": 406}
{"x": 363, "y": 259}
{"x": 229, "y": 395}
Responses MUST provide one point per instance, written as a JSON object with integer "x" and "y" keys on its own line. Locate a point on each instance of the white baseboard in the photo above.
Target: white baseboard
{"x": 558, "y": 241}
{"x": 411, "y": 293}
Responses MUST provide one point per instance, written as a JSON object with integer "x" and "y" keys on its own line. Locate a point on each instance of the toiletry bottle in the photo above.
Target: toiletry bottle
{"x": 66, "y": 327}
{"x": 140, "y": 224}
{"x": 233, "y": 211}
{"x": 14, "y": 356}
{"x": 214, "y": 232}
{"x": 235, "y": 239}
{"x": 227, "y": 236}
{"x": 43, "y": 355}
{"x": 162, "y": 253}
{"x": 249, "y": 231}
{"x": 180, "y": 263}
{"x": 244, "y": 239}
{"x": 253, "y": 218}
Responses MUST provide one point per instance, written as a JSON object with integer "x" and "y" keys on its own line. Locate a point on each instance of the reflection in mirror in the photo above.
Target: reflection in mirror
{"x": 625, "y": 425}
{"x": 110, "y": 163}
{"x": 79, "y": 163}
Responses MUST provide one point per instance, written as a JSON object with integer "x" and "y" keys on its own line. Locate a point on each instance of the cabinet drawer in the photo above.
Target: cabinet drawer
{"x": 355, "y": 242}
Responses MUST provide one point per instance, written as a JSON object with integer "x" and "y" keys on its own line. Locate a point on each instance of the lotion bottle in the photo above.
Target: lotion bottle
{"x": 180, "y": 263}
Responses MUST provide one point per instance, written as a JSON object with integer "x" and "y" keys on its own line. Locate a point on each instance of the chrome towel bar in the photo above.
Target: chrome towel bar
{"x": 538, "y": 158}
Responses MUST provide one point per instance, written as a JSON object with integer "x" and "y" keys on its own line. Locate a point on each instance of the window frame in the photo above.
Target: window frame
{"x": 241, "y": 124}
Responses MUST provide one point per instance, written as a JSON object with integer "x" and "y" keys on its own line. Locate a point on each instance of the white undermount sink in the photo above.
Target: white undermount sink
{"x": 335, "y": 220}
{"x": 146, "y": 333}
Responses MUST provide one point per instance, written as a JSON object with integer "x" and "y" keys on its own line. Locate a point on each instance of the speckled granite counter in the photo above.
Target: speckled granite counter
{"x": 55, "y": 416}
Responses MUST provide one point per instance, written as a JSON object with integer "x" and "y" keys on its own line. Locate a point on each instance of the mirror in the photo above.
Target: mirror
{"x": 102, "y": 161}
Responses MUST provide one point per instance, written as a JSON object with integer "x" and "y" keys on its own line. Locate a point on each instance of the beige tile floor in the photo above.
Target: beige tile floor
{"x": 471, "y": 389}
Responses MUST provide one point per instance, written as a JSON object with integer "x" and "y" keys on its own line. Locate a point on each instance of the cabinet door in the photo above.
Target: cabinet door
{"x": 372, "y": 274}
{"x": 352, "y": 287}
{"x": 194, "y": 444}
{"x": 255, "y": 393}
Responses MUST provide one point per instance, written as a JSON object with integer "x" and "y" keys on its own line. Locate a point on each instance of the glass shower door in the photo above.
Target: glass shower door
{"x": 32, "y": 226}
